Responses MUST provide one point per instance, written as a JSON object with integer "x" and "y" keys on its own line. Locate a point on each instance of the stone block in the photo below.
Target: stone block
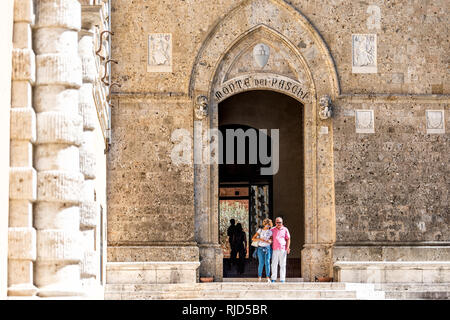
{"x": 59, "y": 128}
{"x": 88, "y": 190}
{"x": 23, "y": 124}
{"x": 59, "y": 245}
{"x": 22, "y": 243}
{"x": 153, "y": 253}
{"x": 22, "y": 36}
{"x": 22, "y": 185}
{"x": 58, "y": 69}
{"x": 58, "y": 13}
{"x": 55, "y": 98}
{"x": 89, "y": 212}
{"x": 21, "y": 153}
{"x": 87, "y": 55}
{"x": 20, "y": 278}
{"x": 392, "y": 271}
{"x": 23, "y": 11}
{"x": 87, "y": 163}
{"x": 56, "y": 157}
{"x": 151, "y": 272}
{"x": 87, "y": 106}
{"x": 20, "y": 213}
{"x": 21, "y": 94}
{"x": 59, "y": 186}
{"x": 57, "y": 279}
{"x": 24, "y": 65}
{"x": 55, "y": 41}
{"x": 90, "y": 264}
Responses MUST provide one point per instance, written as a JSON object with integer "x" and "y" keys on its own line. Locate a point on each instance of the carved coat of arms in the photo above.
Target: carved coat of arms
{"x": 261, "y": 54}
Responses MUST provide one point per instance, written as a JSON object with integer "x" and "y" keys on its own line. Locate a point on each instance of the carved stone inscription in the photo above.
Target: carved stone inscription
{"x": 262, "y": 81}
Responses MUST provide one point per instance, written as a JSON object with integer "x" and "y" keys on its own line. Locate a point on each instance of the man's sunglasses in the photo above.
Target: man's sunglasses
{"x": 278, "y": 222}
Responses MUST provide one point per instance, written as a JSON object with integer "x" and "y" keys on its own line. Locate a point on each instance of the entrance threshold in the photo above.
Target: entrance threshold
{"x": 256, "y": 280}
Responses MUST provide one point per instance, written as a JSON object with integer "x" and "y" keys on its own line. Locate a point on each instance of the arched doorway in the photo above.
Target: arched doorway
{"x": 248, "y": 195}
{"x": 227, "y": 65}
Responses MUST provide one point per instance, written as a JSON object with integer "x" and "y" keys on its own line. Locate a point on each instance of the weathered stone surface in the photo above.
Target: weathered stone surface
{"x": 59, "y": 186}
{"x": 59, "y": 128}
{"x": 23, "y": 124}
{"x": 22, "y": 38}
{"x": 89, "y": 213}
{"x": 21, "y": 94}
{"x": 392, "y": 272}
{"x": 68, "y": 14}
{"x": 59, "y": 245}
{"x": 151, "y": 272}
{"x": 23, "y": 65}
{"x": 390, "y": 186}
{"x": 58, "y": 69}
{"x": 55, "y": 41}
{"x": 358, "y": 186}
{"x": 22, "y": 183}
{"x": 22, "y": 243}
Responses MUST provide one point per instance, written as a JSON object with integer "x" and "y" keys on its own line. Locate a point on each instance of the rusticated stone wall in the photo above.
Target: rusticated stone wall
{"x": 359, "y": 179}
{"x": 391, "y": 185}
{"x": 412, "y": 41}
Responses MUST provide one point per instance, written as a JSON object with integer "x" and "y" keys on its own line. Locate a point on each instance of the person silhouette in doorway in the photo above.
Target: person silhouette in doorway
{"x": 230, "y": 233}
{"x": 240, "y": 244}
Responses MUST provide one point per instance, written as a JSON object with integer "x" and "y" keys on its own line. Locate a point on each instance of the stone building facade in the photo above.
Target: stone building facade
{"x": 371, "y": 82}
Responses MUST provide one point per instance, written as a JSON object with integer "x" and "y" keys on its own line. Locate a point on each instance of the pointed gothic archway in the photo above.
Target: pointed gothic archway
{"x": 226, "y": 66}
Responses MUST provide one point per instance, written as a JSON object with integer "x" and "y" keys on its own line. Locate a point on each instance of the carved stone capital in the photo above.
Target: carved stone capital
{"x": 201, "y": 107}
{"x": 326, "y": 108}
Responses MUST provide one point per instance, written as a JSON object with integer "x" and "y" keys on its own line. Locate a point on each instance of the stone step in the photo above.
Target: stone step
{"x": 413, "y": 286}
{"x": 232, "y": 294}
{"x": 256, "y": 280}
{"x": 232, "y": 286}
{"x": 417, "y": 295}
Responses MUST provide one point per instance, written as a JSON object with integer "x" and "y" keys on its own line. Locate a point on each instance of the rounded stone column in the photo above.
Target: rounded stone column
{"x": 59, "y": 130}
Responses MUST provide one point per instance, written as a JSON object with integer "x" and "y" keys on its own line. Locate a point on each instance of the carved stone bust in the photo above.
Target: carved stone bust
{"x": 201, "y": 107}
{"x": 326, "y": 110}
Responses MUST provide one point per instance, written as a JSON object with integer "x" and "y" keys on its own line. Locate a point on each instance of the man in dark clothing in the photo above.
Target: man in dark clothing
{"x": 240, "y": 245}
{"x": 231, "y": 231}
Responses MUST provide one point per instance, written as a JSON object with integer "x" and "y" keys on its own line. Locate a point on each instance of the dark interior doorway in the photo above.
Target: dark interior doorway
{"x": 244, "y": 193}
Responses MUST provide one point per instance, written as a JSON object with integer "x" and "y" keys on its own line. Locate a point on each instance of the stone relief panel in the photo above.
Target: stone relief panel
{"x": 364, "y": 53}
{"x": 159, "y": 52}
{"x": 365, "y": 122}
{"x": 435, "y": 121}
